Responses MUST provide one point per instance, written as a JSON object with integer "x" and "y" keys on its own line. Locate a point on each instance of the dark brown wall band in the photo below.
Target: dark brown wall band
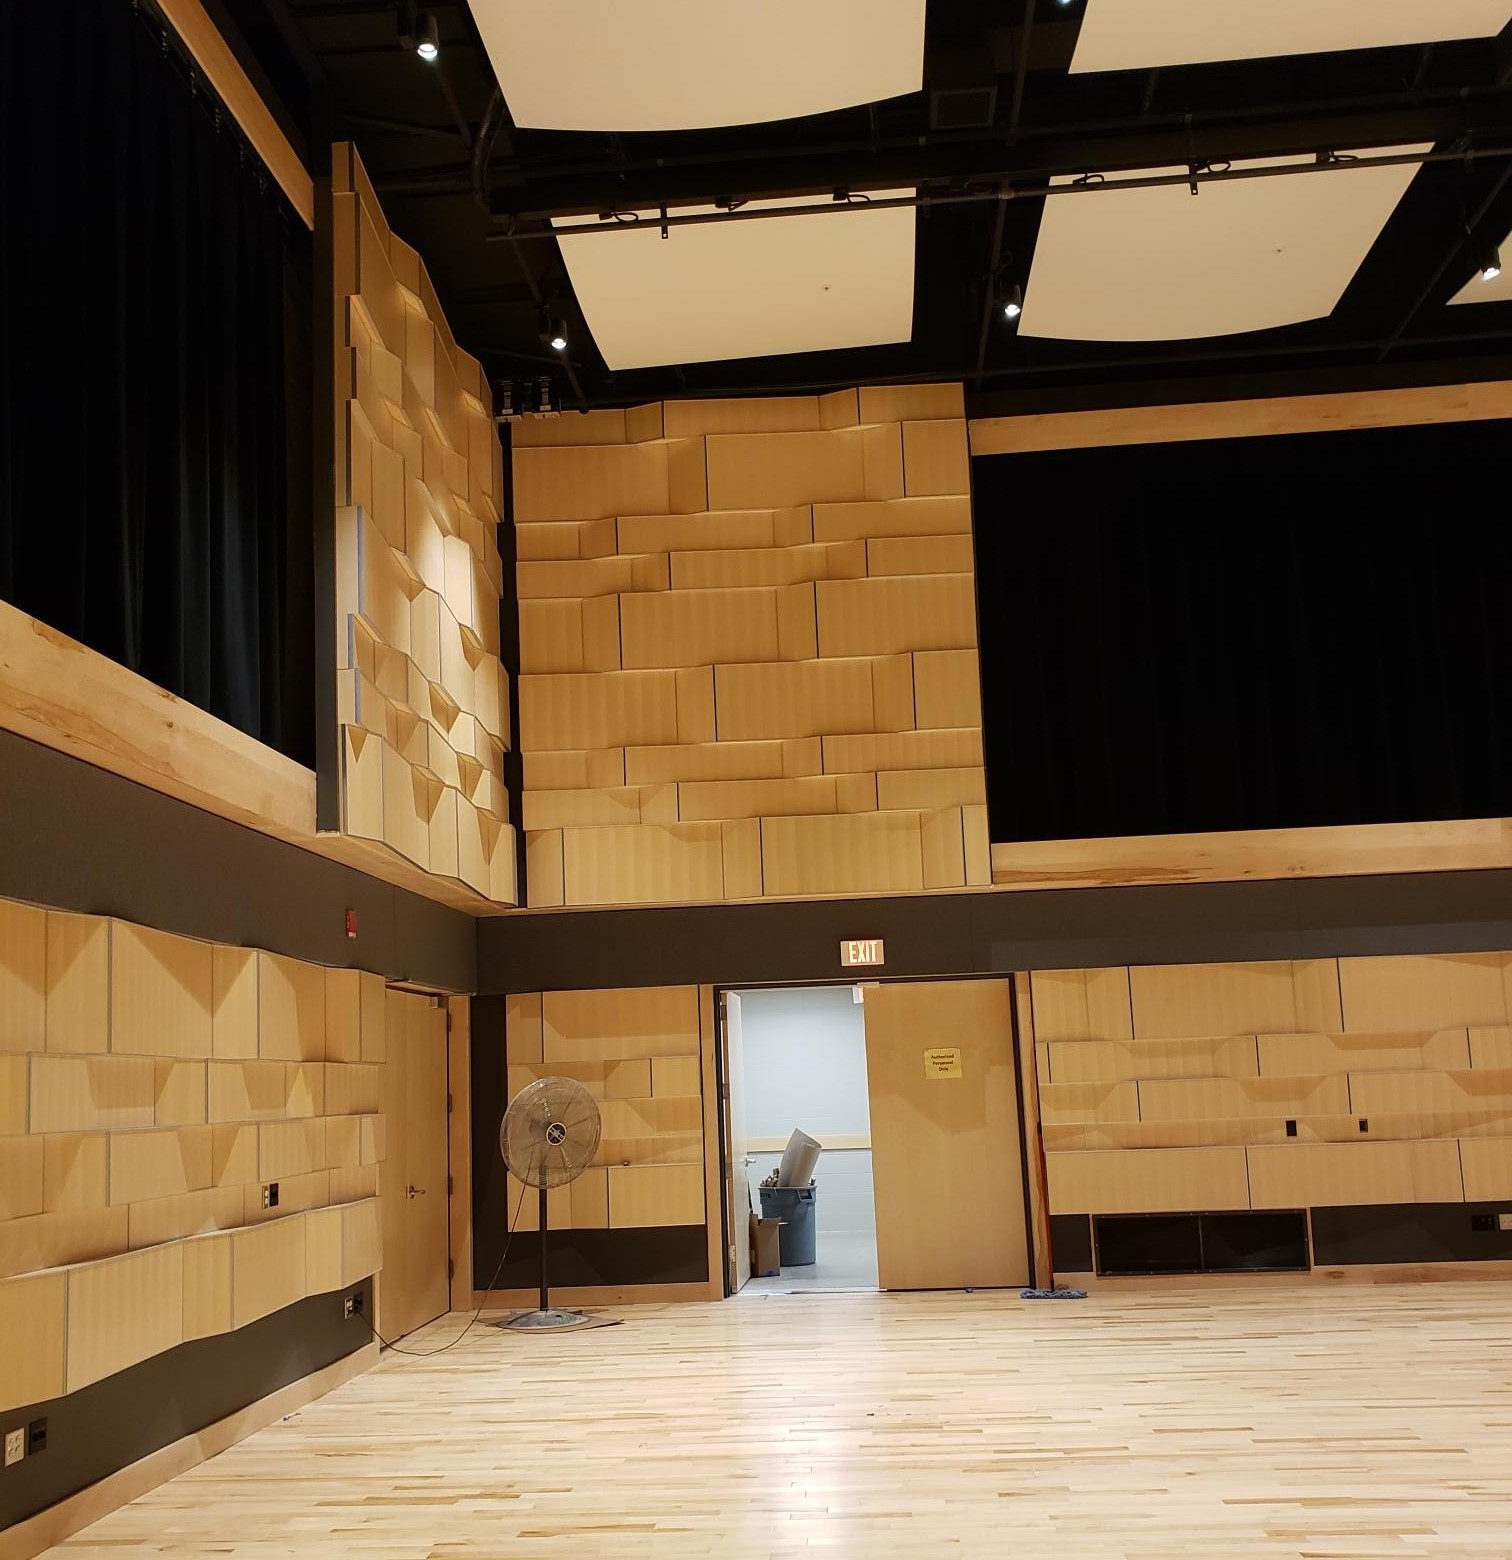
{"x": 994, "y": 933}
{"x": 78, "y": 838}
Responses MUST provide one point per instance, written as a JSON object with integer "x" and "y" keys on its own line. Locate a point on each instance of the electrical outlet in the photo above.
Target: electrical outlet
{"x": 15, "y": 1445}
{"x": 270, "y": 1195}
{"x": 1483, "y": 1223}
{"x": 1504, "y": 1222}
{"x": 352, "y": 1304}
{"x": 36, "y": 1437}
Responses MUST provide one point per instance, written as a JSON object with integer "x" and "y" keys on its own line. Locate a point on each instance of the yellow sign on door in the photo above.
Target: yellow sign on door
{"x": 942, "y": 1061}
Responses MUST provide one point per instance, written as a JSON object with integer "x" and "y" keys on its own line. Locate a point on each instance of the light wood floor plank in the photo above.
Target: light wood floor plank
{"x": 1275, "y": 1424}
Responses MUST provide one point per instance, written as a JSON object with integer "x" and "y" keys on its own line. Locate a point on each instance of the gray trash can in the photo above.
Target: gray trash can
{"x": 794, "y": 1205}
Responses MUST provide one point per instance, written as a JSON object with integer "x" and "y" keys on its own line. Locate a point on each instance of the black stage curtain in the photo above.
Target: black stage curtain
{"x": 1247, "y": 633}
{"x": 154, "y": 373}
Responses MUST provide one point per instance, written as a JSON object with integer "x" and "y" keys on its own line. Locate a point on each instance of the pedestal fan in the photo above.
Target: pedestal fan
{"x": 548, "y": 1136}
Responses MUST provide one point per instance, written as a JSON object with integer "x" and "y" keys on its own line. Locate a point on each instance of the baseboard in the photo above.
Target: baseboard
{"x": 592, "y": 1295}
{"x": 1363, "y": 1273}
{"x": 35, "y": 1534}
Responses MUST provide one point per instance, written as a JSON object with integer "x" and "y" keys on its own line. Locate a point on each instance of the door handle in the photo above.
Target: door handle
{"x": 414, "y": 1191}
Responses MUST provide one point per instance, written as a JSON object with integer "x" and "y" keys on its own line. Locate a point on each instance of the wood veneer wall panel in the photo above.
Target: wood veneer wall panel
{"x": 1178, "y": 1000}
{"x": 1424, "y": 991}
{"x": 1152, "y": 1180}
{"x": 123, "y": 1310}
{"x": 23, "y": 977}
{"x": 1338, "y": 1174}
{"x": 33, "y": 1319}
{"x": 78, "y": 982}
{"x": 161, "y": 993}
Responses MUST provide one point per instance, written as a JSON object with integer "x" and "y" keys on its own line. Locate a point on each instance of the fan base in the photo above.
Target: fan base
{"x": 545, "y": 1321}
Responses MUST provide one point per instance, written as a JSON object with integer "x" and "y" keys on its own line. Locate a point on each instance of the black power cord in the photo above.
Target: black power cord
{"x": 425, "y": 1354}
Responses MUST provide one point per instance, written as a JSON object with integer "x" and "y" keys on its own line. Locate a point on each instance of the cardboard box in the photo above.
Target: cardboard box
{"x": 765, "y": 1259}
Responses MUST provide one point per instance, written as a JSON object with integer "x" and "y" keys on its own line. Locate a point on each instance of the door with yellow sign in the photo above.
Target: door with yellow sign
{"x": 947, "y": 1164}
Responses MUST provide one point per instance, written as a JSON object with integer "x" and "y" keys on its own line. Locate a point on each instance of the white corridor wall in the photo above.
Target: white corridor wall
{"x": 805, "y": 1067}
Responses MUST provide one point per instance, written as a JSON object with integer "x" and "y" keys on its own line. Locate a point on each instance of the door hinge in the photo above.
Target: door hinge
{"x": 448, "y": 1021}
{"x": 448, "y": 1104}
{"x": 448, "y": 1186}
{"x": 451, "y": 1268}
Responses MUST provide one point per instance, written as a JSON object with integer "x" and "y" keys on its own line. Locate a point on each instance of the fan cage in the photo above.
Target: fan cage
{"x": 550, "y": 1132}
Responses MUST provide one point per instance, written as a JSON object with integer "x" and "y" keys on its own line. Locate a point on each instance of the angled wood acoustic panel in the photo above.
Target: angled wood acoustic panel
{"x": 423, "y": 697}
{"x": 151, "y": 1088}
{"x": 638, "y": 1052}
{"x": 1290, "y": 1084}
{"x": 748, "y": 649}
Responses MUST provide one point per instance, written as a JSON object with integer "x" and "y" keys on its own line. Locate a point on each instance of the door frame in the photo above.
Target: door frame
{"x": 1036, "y": 1230}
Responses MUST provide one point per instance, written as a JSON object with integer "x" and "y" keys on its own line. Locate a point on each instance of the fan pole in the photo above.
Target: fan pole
{"x": 545, "y": 1305}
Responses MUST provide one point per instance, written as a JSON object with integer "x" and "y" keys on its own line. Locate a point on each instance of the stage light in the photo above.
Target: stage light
{"x": 1013, "y": 302}
{"x": 427, "y": 38}
{"x": 1491, "y": 266}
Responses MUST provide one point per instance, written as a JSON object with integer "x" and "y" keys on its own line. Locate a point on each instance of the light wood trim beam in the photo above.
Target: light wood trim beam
{"x": 1240, "y": 419}
{"x": 64, "y": 695}
{"x": 1355, "y": 850}
{"x": 69, "y": 1516}
{"x": 203, "y": 40}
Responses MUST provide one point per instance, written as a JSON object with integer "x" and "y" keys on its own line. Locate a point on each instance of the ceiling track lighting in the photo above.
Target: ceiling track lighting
{"x": 553, "y": 329}
{"x": 1013, "y": 302}
{"x": 1490, "y": 266}
{"x": 422, "y": 35}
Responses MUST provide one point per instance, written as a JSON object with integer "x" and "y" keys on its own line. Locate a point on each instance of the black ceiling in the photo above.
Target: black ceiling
{"x": 474, "y": 195}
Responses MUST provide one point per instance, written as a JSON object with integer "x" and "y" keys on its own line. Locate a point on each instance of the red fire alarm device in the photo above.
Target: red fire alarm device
{"x": 351, "y": 923}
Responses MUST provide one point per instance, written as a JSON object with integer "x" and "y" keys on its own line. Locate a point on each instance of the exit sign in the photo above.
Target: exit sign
{"x": 861, "y": 950}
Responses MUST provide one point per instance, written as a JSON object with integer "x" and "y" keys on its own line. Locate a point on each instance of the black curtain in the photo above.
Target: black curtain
{"x": 154, "y": 373}
{"x": 1247, "y": 633}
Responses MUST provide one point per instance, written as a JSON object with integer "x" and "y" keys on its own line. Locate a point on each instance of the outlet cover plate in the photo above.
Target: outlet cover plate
{"x": 1504, "y": 1222}
{"x": 15, "y": 1445}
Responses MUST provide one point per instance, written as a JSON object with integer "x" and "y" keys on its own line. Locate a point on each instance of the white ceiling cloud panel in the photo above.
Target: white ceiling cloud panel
{"x": 626, "y": 65}
{"x": 1161, "y": 264}
{"x": 1142, "y": 34}
{"x": 743, "y": 289}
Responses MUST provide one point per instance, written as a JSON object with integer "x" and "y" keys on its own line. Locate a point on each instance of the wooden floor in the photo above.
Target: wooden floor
{"x": 1236, "y": 1422}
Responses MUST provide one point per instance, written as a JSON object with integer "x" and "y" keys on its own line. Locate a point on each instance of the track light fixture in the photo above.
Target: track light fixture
{"x": 1013, "y": 302}
{"x": 427, "y": 38}
{"x": 1490, "y": 267}
{"x": 553, "y": 330}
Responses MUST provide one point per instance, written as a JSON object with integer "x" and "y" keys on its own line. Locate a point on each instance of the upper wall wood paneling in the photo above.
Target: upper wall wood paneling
{"x": 710, "y": 593}
{"x": 423, "y": 698}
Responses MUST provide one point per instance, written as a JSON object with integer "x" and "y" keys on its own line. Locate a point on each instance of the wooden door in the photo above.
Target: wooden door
{"x": 737, "y": 1172}
{"x": 947, "y": 1166}
{"x": 413, "y": 1287}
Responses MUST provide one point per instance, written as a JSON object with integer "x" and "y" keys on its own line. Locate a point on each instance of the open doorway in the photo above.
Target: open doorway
{"x": 797, "y": 1059}
{"x": 913, "y": 1089}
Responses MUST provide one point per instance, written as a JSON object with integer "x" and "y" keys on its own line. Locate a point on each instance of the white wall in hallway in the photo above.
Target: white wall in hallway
{"x": 805, "y": 1067}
